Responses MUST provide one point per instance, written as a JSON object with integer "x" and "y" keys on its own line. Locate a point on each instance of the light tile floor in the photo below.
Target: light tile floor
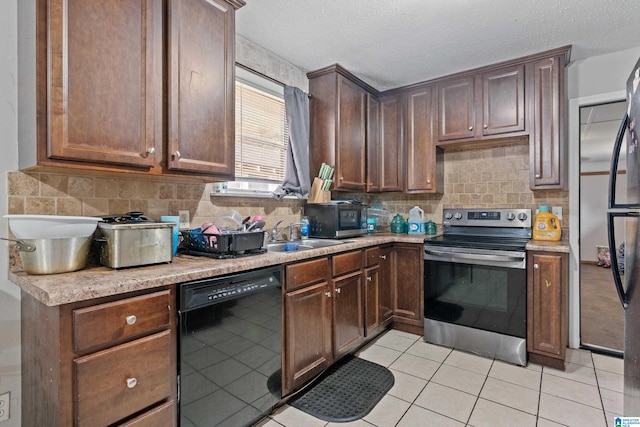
{"x": 438, "y": 386}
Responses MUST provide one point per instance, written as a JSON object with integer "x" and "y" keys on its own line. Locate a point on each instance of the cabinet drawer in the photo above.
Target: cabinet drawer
{"x": 115, "y": 383}
{"x": 346, "y": 263}
{"x": 160, "y": 416}
{"x": 371, "y": 256}
{"x": 306, "y": 273}
{"x": 103, "y": 325}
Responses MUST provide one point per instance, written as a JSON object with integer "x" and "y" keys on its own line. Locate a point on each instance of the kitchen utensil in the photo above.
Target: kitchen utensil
{"x": 135, "y": 244}
{"x": 52, "y": 256}
{"x": 256, "y": 225}
{"x": 51, "y": 226}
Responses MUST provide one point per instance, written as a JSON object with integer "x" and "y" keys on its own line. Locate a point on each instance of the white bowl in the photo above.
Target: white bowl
{"x": 51, "y": 226}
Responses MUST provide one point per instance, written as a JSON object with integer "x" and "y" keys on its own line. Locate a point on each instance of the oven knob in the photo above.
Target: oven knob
{"x": 522, "y": 216}
{"x": 511, "y": 216}
{"x": 458, "y": 216}
{"x": 448, "y": 215}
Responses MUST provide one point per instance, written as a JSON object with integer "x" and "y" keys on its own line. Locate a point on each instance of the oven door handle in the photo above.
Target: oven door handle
{"x": 476, "y": 257}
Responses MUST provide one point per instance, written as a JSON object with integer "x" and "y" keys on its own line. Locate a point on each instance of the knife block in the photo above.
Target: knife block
{"x": 317, "y": 195}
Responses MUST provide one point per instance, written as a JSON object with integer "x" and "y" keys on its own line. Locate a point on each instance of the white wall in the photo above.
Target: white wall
{"x": 9, "y": 293}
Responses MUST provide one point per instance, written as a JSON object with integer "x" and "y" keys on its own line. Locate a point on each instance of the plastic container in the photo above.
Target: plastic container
{"x": 431, "y": 227}
{"x": 304, "y": 228}
{"x": 417, "y": 224}
{"x": 397, "y": 224}
{"x": 371, "y": 224}
{"x": 546, "y": 226}
{"x": 176, "y": 230}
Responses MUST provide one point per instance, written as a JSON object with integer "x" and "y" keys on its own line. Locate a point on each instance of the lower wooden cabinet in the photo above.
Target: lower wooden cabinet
{"x": 547, "y": 308}
{"x": 408, "y": 289}
{"x": 105, "y": 362}
{"x": 333, "y": 305}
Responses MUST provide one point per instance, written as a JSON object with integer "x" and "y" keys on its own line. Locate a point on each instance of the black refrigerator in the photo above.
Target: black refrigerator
{"x": 627, "y": 212}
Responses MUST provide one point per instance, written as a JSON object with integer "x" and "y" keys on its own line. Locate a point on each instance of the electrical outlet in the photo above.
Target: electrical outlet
{"x": 5, "y": 399}
{"x": 184, "y": 219}
{"x": 557, "y": 211}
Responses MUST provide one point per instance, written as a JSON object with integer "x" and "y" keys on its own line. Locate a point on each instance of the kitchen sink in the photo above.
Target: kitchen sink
{"x": 302, "y": 245}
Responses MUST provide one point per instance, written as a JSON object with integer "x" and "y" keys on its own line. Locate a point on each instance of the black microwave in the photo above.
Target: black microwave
{"x": 336, "y": 220}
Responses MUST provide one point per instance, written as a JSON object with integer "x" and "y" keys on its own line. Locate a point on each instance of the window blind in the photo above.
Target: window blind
{"x": 261, "y": 134}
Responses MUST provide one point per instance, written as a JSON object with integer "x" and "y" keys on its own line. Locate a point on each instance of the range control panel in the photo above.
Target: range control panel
{"x": 517, "y": 218}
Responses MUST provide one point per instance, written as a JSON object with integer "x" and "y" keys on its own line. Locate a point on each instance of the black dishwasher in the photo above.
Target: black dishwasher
{"x": 230, "y": 348}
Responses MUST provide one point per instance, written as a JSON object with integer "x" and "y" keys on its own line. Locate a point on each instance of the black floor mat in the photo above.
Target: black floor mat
{"x": 347, "y": 391}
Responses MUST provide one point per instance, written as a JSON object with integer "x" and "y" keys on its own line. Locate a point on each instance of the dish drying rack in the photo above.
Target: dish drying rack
{"x": 223, "y": 245}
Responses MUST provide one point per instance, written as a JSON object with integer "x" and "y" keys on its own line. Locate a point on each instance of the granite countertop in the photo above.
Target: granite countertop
{"x": 98, "y": 281}
{"x": 547, "y": 246}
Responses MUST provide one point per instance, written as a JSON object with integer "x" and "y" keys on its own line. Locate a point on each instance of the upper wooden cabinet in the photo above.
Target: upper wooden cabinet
{"x": 488, "y": 104}
{"x": 456, "y": 109}
{"x": 338, "y": 109}
{"x": 547, "y": 133}
{"x": 390, "y": 144}
{"x": 100, "y": 91}
{"x": 424, "y": 161}
{"x": 201, "y": 77}
{"x": 503, "y": 101}
{"x": 100, "y": 96}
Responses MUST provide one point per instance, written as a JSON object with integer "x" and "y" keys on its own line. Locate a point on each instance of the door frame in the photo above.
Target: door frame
{"x": 574, "y": 204}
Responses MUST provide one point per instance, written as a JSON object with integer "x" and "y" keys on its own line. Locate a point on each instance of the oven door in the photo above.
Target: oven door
{"x": 476, "y": 288}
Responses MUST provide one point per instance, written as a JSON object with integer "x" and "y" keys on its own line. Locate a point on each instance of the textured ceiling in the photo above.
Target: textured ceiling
{"x": 391, "y": 43}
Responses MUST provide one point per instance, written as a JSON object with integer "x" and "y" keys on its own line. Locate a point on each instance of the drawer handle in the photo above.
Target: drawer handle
{"x": 131, "y": 319}
{"x": 132, "y": 382}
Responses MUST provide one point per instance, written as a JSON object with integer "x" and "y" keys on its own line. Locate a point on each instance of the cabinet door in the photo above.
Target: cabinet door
{"x": 408, "y": 287}
{"x": 390, "y": 147}
{"x": 350, "y": 136}
{"x": 201, "y": 118}
{"x": 373, "y": 141}
{"x": 546, "y": 304}
{"x": 425, "y": 168}
{"x": 103, "y": 101}
{"x": 503, "y": 101}
{"x": 307, "y": 335}
{"x": 385, "y": 278}
{"x": 372, "y": 311}
{"x": 348, "y": 328}
{"x": 456, "y": 109}
{"x": 546, "y": 138}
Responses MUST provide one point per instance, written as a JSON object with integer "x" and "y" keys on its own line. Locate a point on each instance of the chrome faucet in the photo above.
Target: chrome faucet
{"x": 275, "y": 233}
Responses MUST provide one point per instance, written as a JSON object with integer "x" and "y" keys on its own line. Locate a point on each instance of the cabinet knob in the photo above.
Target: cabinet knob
{"x": 383, "y": 256}
{"x": 341, "y": 178}
{"x": 176, "y": 154}
{"x": 428, "y": 181}
{"x": 132, "y": 382}
{"x": 338, "y": 291}
{"x": 548, "y": 283}
{"x": 131, "y": 319}
{"x": 470, "y": 128}
{"x": 150, "y": 150}
{"x": 328, "y": 294}
{"x": 536, "y": 266}
{"x": 537, "y": 176}
{"x": 485, "y": 126}
{"x": 369, "y": 278}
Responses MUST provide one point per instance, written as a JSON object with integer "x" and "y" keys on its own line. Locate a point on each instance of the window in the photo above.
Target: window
{"x": 261, "y": 129}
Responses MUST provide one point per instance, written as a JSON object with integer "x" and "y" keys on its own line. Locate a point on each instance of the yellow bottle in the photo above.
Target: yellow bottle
{"x": 546, "y": 226}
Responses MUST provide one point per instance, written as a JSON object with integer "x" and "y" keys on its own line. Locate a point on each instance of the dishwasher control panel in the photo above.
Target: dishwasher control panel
{"x": 214, "y": 291}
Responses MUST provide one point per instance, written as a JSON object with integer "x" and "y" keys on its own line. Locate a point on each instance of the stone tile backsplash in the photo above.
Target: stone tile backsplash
{"x": 493, "y": 177}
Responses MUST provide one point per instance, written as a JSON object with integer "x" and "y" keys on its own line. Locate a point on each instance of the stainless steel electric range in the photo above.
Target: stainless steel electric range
{"x": 475, "y": 283}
